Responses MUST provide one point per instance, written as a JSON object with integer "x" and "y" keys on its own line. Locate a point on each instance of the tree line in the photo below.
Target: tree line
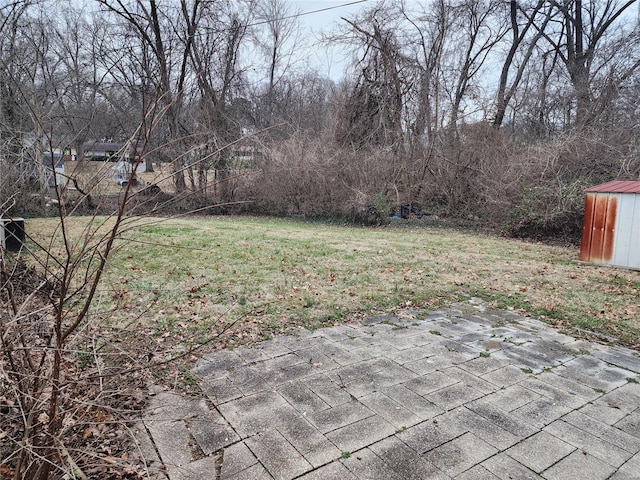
{"x": 486, "y": 109}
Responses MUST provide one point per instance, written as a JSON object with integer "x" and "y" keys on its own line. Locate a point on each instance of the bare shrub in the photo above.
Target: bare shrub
{"x": 54, "y": 379}
{"x": 312, "y": 178}
{"x": 533, "y": 189}
{"x": 20, "y": 193}
{"x": 538, "y": 190}
{"x": 480, "y": 173}
{"x": 69, "y": 387}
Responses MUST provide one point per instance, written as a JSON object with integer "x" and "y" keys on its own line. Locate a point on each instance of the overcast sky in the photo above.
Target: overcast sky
{"x": 329, "y": 61}
{"x": 322, "y": 13}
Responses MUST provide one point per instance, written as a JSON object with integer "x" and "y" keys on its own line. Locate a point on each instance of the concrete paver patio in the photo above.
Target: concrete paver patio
{"x": 459, "y": 393}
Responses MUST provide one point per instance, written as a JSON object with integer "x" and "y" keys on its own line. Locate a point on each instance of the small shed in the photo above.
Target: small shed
{"x": 611, "y": 228}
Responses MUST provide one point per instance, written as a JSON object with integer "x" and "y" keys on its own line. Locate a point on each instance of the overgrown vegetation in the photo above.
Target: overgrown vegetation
{"x": 212, "y": 99}
{"x": 73, "y": 374}
{"x": 502, "y": 112}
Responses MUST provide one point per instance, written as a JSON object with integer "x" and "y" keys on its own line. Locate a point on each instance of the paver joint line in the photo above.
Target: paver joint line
{"x": 465, "y": 392}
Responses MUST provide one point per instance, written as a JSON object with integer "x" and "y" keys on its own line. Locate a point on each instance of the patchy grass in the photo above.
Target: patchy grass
{"x": 182, "y": 279}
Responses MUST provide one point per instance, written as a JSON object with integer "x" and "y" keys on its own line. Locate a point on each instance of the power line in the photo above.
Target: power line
{"x": 302, "y": 14}
{"x": 332, "y": 8}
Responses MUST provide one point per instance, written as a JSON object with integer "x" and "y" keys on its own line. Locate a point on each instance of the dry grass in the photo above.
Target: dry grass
{"x": 179, "y": 280}
{"x": 98, "y": 178}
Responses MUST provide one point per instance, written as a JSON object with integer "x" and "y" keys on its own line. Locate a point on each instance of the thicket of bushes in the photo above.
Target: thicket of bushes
{"x": 523, "y": 189}
{"x": 489, "y": 177}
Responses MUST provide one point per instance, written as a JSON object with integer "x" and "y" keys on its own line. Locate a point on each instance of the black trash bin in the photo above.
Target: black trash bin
{"x": 13, "y": 235}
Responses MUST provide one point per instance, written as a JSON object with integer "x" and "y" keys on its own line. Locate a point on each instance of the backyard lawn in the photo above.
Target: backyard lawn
{"x": 183, "y": 281}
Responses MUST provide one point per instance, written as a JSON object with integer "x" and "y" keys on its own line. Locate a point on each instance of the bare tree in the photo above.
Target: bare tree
{"x": 589, "y": 41}
{"x": 161, "y": 33}
{"x": 12, "y": 115}
{"x": 88, "y": 103}
{"x": 375, "y": 109}
{"x": 216, "y": 61}
{"x": 37, "y": 78}
{"x": 519, "y": 37}
{"x": 431, "y": 31}
{"x": 277, "y": 36}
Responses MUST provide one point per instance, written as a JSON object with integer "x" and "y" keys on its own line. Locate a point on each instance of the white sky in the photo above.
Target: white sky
{"x": 329, "y": 61}
{"x": 338, "y": 8}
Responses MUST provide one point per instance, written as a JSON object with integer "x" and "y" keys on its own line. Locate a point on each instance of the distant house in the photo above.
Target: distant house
{"x": 123, "y": 172}
{"x": 43, "y": 159}
{"x": 50, "y": 169}
{"x": 53, "y": 164}
{"x": 113, "y": 152}
{"x": 106, "y": 151}
{"x": 244, "y": 155}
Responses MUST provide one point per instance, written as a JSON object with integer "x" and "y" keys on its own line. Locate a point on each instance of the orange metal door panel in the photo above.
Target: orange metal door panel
{"x": 609, "y": 229}
{"x": 598, "y": 231}
{"x": 599, "y": 220}
{"x": 587, "y": 227}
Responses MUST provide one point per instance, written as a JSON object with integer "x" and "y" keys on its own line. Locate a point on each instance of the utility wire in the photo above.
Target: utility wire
{"x": 302, "y": 14}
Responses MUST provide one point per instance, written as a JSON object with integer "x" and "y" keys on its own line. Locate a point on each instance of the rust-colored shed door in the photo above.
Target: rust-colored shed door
{"x": 600, "y": 211}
